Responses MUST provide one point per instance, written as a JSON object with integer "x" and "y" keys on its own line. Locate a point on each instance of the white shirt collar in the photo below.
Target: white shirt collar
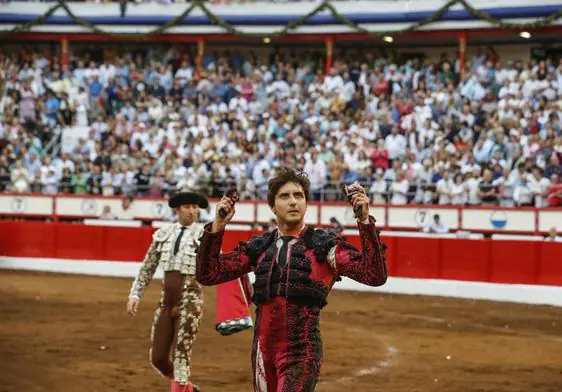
{"x": 279, "y": 234}
{"x": 190, "y": 227}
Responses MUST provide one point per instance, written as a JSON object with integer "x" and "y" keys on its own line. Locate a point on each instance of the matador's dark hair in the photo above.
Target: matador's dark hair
{"x": 283, "y": 176}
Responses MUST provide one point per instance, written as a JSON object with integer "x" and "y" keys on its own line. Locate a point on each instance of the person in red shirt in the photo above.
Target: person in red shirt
{"x": 379, "y": 157}
{"x": 295, "y": 268}
{"x": 554, "y": 195}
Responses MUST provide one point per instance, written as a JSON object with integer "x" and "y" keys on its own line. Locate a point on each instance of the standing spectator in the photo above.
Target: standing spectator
{"x": 52, "y": 109}
{"x": 4, "y": 179}
{"x": 36, "y": 185}
{"x": 399, "y": 189}
{"x": 395, "y": 144}
{"x": 379, "y": 156}
{"x": 142, "y": 180}
{"x": 445, "y": 189}
{"x": 21, "y": 179}
{"x": 80, "y": 181}
{"x": 539, "y": 187}
{"x": 66, "y": 181}
{"x": 378, "y": 190}
{"x": 523, "y": 195}
{"x": 316, "y": 171}
{"x": 106, "y": 182}
{"x": 554, "y": 195}
{"x": 27, "y": 104}
{"x": 95, "y": 181}
{"x": 458, "y": 191}
{"x": 487, "y": 190}
{"x": 50, "y": 183}
{"x": 506, "y": 186}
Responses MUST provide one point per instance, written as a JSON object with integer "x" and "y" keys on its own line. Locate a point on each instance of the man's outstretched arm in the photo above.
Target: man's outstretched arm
{"x": 212, "y": 266}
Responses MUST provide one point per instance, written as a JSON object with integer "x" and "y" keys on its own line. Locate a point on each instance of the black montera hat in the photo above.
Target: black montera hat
{"x": 188, "y": 198}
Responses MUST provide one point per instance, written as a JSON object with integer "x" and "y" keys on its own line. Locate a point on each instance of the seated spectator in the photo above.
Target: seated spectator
{"x": 106, "y": 213}
{"x": 553, "y": 235}
{"x": 126, "y": 212}
{"x": 436, "y": 226}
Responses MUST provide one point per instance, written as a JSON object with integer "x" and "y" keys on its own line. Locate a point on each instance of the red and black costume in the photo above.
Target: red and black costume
{"x": 294, "y": 276}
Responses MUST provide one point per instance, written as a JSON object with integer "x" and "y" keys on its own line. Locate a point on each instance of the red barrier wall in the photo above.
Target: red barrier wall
{"x": 527, "y": 262}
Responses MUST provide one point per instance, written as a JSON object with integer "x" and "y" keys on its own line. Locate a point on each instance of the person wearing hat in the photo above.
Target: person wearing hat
{"x": 179, "y": 313}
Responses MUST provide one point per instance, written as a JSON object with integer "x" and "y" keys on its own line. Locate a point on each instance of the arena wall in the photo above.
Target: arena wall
{"x": 410, "y": 217}
{"x": 505, "y": 270}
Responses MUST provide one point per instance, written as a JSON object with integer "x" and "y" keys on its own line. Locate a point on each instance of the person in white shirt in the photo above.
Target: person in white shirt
{"x": 539, "y": 187}
{"x": 219, "y": 106}
{"x": 458, "y": 191}
{"x": 258, "y": 170}
{"x": 531, "y": 86}
{"x": 50, "y": 183}
{"x": 399, "y": 189}
{"x": 126, "y": 212}
{"x": 395, "y": 143}
{"x": 436, "y": 227}
{"x": 333, "y": 82}
{"x": 472, "y": 187}
{"x": 444, "y": 188}
{"x": 505, "y": 90}
{"x": 107, "y": 183}
{"x": 91, "y": 72}
{"x": 522, "y": 195}
{"x": 506, "y": 184}
{"x": 378, "y": 189}
{"x": 184, "y": 74}
{"x": 348, "y": 89}
{"x": 317, "y": 173}
{"x": 238, "y": 103}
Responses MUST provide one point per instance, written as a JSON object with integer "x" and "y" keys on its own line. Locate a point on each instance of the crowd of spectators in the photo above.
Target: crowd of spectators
{"x": 414, "y": 131}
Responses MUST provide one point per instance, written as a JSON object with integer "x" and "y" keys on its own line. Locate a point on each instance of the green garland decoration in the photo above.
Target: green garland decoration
{"x": 34, "y": 22}
{"x": 291, "y": 26}
{"x": 285, "y": 30}
{"x": 547, "y": 21}
{"x": 159, "y": 30}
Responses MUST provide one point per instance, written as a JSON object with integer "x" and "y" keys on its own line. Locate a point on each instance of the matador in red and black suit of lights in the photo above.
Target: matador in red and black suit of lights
{"x": 294, "y": 275}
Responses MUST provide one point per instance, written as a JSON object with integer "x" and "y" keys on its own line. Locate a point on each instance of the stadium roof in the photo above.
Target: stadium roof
{"x": 264, "y": 18}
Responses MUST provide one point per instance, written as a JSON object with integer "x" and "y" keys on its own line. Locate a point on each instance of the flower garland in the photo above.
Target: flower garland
{"x": 291, "y": 26}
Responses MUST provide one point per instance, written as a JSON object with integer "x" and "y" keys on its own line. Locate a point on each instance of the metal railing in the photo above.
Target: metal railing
{"x": 417, "y": 194}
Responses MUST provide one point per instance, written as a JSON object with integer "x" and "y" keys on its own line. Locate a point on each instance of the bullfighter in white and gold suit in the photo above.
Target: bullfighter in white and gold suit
{"x": 178, "y": 316}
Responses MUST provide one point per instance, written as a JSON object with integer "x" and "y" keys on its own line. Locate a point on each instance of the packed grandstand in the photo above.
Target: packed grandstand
{"x": 410, "y": 129}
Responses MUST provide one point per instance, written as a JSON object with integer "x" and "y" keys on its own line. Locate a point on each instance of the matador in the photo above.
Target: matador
{"x": 178, "y": 315}
{"x": 295, "y": 267}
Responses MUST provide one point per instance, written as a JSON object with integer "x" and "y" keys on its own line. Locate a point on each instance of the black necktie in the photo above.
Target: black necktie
{"x": 178, "y": 241}
{"x": 282, "y": 259}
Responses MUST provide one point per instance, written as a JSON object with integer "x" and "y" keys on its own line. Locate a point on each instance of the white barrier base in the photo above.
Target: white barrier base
{"x": 519, "y": 293}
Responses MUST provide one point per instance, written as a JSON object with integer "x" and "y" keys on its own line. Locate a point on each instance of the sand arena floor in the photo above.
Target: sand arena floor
{"x": 67, "y": 333}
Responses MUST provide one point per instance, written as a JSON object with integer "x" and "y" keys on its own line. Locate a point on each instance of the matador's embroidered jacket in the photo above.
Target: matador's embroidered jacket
{"x": 161, "y": 251}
